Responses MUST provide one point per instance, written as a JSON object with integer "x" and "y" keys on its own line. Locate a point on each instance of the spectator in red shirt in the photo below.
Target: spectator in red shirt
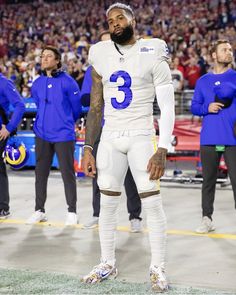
{"x": 3, "y": 48}
{"x": 192, "y": 72}
{"x": 177, "y": 65}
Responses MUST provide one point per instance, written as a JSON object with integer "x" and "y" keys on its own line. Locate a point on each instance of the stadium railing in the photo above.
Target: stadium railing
{"x": 182, "y": 103}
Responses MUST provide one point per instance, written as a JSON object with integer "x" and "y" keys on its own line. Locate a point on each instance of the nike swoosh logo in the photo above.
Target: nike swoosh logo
{"x": 76, "y": 92}
{"x": 105, "y": 274}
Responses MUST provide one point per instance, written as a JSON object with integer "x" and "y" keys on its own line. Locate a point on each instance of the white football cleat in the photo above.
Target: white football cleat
{"x": 99, "y": 273}
{"x": 158, "y": 279}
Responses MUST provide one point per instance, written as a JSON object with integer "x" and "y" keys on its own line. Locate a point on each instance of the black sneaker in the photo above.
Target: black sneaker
{"x": 4, "y": 214}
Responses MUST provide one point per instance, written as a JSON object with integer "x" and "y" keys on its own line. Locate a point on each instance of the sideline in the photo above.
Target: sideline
{"x": 126, "y": 229}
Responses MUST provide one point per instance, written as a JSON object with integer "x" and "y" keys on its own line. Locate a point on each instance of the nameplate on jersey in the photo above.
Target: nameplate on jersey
{"x": 147, "y": 50}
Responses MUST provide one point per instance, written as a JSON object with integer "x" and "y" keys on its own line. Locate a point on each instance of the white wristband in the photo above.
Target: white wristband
{"x": 88, "y": 146}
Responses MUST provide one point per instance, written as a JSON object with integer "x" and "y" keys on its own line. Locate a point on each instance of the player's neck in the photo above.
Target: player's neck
{"x": 50, "y": 70}
{"x": 49, "y": 73}
{"x": 129, "y": 42}
{"x": 221, "y": 68}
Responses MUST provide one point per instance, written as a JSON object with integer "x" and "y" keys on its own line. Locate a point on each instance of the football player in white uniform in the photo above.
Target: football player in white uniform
{"x": 127, "y": 74}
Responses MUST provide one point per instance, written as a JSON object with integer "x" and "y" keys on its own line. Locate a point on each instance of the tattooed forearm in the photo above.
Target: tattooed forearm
{"x": 161, "y": 152}
{"x": 156, "y": 165}
{"x": 94, "y": 119}
{"x": 159, "y": 157}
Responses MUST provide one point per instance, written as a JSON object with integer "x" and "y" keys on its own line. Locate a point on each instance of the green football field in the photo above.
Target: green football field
{"x": 27, "y": 282}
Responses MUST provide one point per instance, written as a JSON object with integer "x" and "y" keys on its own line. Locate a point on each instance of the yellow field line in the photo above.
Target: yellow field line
{"x": 52, "y": 224}
{"x": 210, "y": 235}
{"x": 127, "y": 229}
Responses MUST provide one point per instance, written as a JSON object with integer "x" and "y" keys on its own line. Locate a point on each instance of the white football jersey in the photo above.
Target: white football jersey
{"x": 129, "y": 77}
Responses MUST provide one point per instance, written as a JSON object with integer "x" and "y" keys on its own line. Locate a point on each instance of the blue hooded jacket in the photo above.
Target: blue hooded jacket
{"x": 10, "y": 96}
{"x": 217, "y": 128}
{"x": 86, "y": 89}
{"x": 58, "y": 104}
{"x": 87, "y": 83}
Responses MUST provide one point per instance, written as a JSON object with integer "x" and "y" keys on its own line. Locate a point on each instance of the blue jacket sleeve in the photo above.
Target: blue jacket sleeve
{"x": 34, "y": 94}
{"x": 199, "y": 107}
{"x": 14, "y": 98}
{"x": 87, "y": 83}
{"x": 73, "y": 93}
{"x": 86, "y": 87}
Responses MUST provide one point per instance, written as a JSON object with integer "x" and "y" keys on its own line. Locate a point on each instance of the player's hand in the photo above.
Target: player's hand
{"x": 215, "y": 107}
{"x": 156, "y": 165}
{"x": 4, "y": 133}
{"x": 88, "y": 163}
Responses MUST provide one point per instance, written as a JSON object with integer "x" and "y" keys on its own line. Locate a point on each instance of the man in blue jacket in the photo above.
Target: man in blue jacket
{"x": 8, "y": 95}
{"x": 57, "y": 97}
{"x": 215, "y": 99}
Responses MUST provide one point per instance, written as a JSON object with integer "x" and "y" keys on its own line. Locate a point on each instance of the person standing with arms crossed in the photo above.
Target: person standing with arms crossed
{"x": 127, "y": 74}
{"x": 57, "y": 97}
{"x": 215, "y": 99}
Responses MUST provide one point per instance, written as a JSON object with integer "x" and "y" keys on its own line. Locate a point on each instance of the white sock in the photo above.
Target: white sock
{"x": 156, "y": 223}
{"x": 107, "y": 227}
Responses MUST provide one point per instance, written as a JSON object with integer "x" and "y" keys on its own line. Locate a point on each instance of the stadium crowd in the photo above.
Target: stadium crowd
{"x": 188, "y": 27}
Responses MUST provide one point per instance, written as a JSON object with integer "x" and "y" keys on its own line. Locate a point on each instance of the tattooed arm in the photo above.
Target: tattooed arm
{"x": 156, "y": 165}
{"x": 93, "y": 123}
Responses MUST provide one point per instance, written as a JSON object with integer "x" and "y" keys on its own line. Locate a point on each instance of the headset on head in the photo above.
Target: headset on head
{"x": 15, "y": 153}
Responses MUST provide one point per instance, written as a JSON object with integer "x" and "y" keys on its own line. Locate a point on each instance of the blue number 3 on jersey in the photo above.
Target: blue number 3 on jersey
{"x": 128, "y": 95}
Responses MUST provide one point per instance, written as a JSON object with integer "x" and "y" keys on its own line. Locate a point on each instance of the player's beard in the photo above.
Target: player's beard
{"x": 124, "y": 37}
{"x": 225, "y": 62}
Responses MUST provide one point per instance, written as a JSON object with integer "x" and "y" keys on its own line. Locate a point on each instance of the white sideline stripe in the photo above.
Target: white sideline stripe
{"x": 125, "y": 229}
